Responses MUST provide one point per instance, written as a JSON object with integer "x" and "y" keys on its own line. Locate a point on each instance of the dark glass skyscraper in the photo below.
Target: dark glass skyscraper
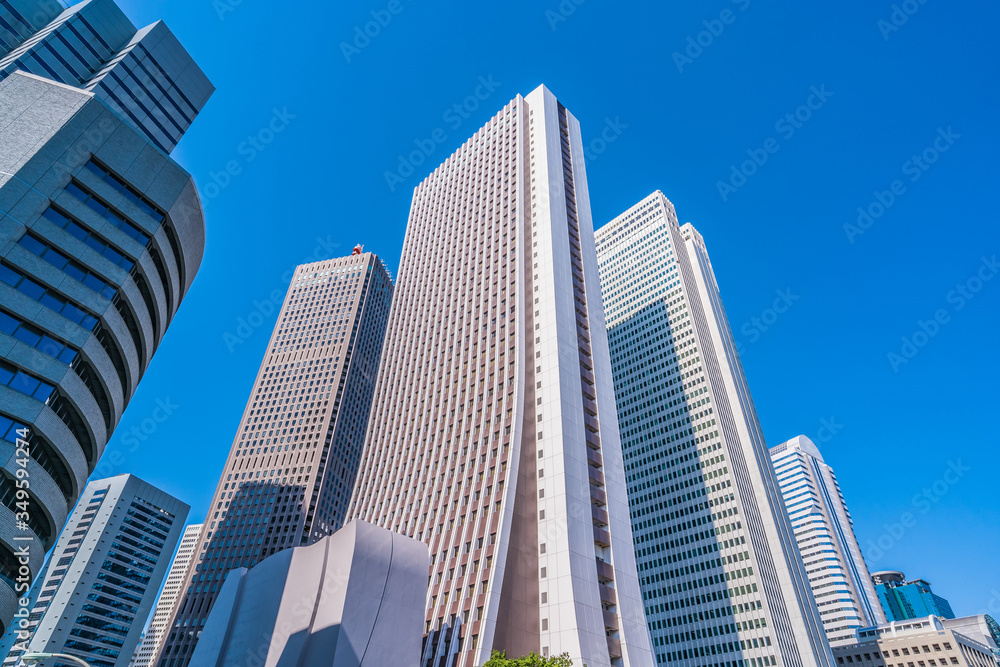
{"x": 295, "y": 456}
{"x": 101, "y": 234}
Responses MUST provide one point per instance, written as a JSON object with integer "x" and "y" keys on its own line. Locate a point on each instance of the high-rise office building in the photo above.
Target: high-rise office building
{"x": 722, "y": 581}
{"x": 902, "y": 599}
{"x": 493, "y": 437}
{"x": 288, "y": 478}
{"x": 101, "y": 235}
{"x": 143, "y": 75}
{"x": 152, "y": 638}
{"x": 104, "y": 573}
{"x": 824, "y": 530}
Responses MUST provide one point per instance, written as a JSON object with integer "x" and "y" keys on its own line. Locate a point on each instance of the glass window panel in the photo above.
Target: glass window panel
{"x": 34, "y": 290}
{"x": 24, "y": 383}
{"x": 8, "y": 276}
{"x": 75, "y": 273}
{"x": 32, "y": 244}
{"x": 7, "y": 323}
{"x": 29, "y": 337}
{"x": 43, "y": 392}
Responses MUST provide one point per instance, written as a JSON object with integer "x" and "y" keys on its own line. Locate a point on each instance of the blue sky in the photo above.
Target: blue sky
{"x": 902, "y": 124}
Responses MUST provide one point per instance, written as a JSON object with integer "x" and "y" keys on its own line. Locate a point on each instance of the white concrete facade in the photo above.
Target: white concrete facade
{"x": 722, "y": 582}
{"x": 514, "y": 483}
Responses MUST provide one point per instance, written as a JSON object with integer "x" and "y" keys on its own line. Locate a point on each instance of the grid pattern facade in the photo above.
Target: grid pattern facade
{"x": 144, "y": 75}
{"x": 486, "y": 441}
{"x": 721, "y": 580}
{"x": 20, "y": 19}
{"x": 100, "y": 237}
{"x": 824, "y": 530}
{"x": 294, "y": 460}
{"x": 104, "y": 573}
{"x": 152, "y": 638}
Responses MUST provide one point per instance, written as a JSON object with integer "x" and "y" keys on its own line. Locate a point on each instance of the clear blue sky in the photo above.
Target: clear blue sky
{"x": 679, "y": 129}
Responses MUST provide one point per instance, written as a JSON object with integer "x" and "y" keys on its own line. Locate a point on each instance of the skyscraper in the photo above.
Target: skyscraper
{"x": 823, "y": 527}
{"x": 143, "y": 75}
{"x": 493, "y": 437}
{"x": 152, "y": 638}
{"x": 722, "y": 581}
{"x": 104, "y": 573}
{"x": 101, "y": 235}
{"x": 902, "y": 599}
{"x": 295, "y": 456}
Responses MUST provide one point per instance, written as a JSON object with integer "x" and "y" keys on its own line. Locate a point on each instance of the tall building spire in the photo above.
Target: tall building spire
{"x": 722, "y": 581}
{"x": 494, "y": 436}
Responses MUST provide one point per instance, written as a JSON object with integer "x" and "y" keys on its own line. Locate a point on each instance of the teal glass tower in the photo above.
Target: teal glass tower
{"x": 903, "y": 599}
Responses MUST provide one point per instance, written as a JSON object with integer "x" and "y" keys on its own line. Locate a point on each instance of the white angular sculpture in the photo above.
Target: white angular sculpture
{"x": 353, "y": 599}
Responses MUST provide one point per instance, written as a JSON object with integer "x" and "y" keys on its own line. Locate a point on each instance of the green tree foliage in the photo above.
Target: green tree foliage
{"x": 500, "y": 659}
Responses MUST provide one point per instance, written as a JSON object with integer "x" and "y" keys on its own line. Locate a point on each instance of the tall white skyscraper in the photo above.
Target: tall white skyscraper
{"x": 722, "y": 581}
{"x": 493, "y": 435}
{"x": 841, "y": 584}
{"x": 146, "y": 652}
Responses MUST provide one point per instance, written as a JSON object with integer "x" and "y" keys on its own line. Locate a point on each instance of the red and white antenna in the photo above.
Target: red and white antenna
{"x": 357, "y": 249}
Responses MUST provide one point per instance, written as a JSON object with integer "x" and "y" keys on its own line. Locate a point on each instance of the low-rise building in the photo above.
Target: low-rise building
{"x": 920, "y": 642}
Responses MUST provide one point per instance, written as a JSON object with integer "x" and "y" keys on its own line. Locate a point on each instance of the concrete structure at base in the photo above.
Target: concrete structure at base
{"x": 926, "y": 642}
{"x": 353, "y": 599}
{"x": 902, "y": 599}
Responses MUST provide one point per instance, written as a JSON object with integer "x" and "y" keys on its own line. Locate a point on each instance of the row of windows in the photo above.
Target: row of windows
{"x": 36, "y": 338}
{"x": 127, "y": 191}
{"x": 70, "y": 267}
{"x": 96, "y": 242}
{"x": 47, "y": 297}
{"x": 27, "y": 384}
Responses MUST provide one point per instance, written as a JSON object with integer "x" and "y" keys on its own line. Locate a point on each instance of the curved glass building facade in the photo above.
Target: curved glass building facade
{"x": 101, "y": 234}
